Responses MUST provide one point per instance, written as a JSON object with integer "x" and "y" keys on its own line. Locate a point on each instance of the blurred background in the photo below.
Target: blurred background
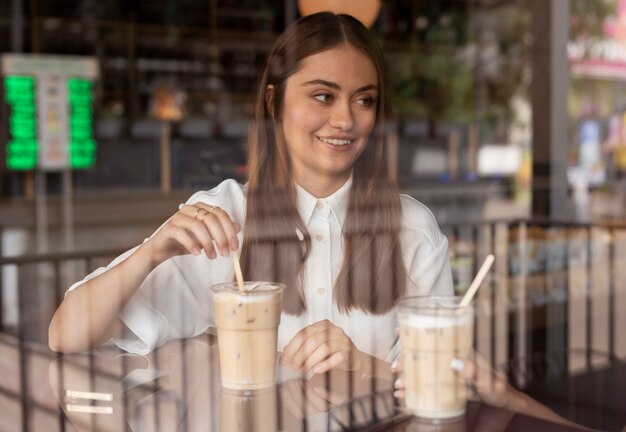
{"x": 510, "y": 114}
{"x": 502, "y": 108}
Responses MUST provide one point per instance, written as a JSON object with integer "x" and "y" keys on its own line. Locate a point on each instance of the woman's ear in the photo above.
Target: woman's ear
{"x": 269, "y": 99}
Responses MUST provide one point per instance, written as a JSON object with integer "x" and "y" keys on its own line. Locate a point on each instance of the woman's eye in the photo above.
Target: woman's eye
{"x": 323, "y": 97}
{"x": 366, "y": 101}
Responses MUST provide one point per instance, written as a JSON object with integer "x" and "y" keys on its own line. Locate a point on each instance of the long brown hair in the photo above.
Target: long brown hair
{"x": 276, "y": 242}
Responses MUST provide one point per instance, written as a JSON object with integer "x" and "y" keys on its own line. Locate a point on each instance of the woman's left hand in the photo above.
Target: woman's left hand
{"x": 320, "y": 347}
{"x": 488, "y": 385}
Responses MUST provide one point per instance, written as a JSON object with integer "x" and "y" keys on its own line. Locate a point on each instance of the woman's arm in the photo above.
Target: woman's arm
{"x": 492, "y": 388}
{"x": 89, "y": 315}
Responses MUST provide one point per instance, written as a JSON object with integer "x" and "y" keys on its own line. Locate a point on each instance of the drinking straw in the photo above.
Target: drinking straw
{"x": 469, "y": 295}
{"x": 235, "y": 256}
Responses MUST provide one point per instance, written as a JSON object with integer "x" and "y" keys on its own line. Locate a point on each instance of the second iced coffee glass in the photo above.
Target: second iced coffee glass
{"x": 433, "y": 331}
{"x": 247, "y": 329}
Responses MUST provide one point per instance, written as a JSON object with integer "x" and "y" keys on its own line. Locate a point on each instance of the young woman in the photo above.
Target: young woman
{"x": 321, "y": 213}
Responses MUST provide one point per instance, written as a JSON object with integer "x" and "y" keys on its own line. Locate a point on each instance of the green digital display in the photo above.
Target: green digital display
{"x": 82, "y": 144}
{"x": 23, "y": 145}
{"x": 22, "y": 148}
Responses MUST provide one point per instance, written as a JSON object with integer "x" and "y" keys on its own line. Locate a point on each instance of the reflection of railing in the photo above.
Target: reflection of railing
{"x": 375, "y": 412}
{"x": 19, "y": 339}
{"x": 550, "y": 270}
{"x": 554, "y": 286}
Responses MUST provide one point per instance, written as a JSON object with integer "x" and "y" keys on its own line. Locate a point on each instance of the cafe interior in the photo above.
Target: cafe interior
{"x": 509, "y": 119}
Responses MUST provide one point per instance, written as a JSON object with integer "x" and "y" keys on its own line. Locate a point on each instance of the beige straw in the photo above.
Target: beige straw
{"x": 469, "y": 295}
{"x": 235, "y": 256}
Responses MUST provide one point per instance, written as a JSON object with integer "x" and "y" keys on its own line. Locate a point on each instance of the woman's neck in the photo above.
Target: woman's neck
{"x": 322, "y": 187}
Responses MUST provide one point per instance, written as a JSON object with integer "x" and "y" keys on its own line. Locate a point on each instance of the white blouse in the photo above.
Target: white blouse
{"x": 175, "y": 300}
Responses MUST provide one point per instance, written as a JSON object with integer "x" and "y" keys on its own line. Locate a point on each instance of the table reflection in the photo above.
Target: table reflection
{"x": 177, "y": 388}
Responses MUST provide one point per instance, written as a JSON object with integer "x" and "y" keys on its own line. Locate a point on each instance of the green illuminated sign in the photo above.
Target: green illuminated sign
{"x": 82, "y": 145}
{"x": 19, "y": 93}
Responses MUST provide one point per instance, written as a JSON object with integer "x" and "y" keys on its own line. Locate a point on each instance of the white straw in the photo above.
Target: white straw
{"x": 469, "y": 295}
{"x": 235, "y": 256}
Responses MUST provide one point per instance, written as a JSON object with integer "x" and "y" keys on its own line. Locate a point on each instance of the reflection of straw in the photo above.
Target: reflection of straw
{"x": 235, "y": 256}
{"x": 469, "y": 295}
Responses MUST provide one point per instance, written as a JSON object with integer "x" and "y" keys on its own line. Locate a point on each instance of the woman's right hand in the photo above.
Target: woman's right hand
{"x": 195, "y": 227}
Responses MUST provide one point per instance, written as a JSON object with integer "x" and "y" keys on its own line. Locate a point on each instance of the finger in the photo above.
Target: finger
{"x": 211, "y": 221}
{"x": 399, "y": 394}
{"x": 324, "y": 349}
{"x": 184, "y": 238}
{"x": 398, "y": 384}
{"x": 397, "y": 366}
{"x": 201, "y": 232}
{"x": 295, "y": 344}
{"x": 230, "y": 233}
{"x": 190, "y": 210}
{"x": 311, "y": 343}
{"x": 332, "y": 362}
{"x": 202, "y": 212}
{"x": 464, "y": 369}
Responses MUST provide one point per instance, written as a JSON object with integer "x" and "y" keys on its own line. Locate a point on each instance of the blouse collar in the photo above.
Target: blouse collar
{"x": 335, "y": 204}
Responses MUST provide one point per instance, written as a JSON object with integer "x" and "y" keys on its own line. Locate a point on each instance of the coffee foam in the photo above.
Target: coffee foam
{"x": 236, "y": 297}
{"x": 434, "y": 321}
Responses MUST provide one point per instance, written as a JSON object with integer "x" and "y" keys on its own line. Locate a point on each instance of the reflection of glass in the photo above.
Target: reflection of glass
{"x": 247, "y": 329}
{"x": 458, "y": 424}
{"x": 248, "y": 410}
{"x": 433, "y": 332}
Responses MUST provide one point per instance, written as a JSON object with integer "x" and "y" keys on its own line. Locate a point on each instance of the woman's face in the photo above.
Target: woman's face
{"x": 329, "y": 111}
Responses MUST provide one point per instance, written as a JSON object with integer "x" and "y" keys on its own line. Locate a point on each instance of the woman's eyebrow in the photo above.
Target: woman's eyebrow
{"x": 337, "y": 86}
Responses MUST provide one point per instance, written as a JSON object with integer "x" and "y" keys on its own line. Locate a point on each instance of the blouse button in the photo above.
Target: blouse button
{"x": 321, "y": 291}
{"x": 319, "y": 205}
{"x": 319, "y": 237}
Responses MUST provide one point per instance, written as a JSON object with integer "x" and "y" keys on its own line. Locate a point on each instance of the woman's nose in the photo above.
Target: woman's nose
{"x": 341, "y": 117}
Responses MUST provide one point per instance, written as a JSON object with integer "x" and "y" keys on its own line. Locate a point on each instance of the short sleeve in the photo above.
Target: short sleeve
{"x": 425, "y": 251}
{"x": 174, "y": 300}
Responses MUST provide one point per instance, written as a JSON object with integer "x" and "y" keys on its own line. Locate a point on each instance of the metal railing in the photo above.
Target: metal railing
{"x": 555, "y": 285}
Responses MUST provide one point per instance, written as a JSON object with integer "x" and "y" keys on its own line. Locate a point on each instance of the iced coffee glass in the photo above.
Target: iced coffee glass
{"x": 247, "y": 327}
{"x": 433, "y": 331}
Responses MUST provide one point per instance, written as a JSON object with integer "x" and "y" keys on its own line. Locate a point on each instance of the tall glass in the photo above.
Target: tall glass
{"x": 433, "y": 331}
{"x": 247, "y": 329}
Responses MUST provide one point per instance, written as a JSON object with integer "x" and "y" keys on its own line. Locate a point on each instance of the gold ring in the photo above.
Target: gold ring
{"x": 212, "y": 209}
{"x": 204, "y": 214}
{"x": 196, "y": 213}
